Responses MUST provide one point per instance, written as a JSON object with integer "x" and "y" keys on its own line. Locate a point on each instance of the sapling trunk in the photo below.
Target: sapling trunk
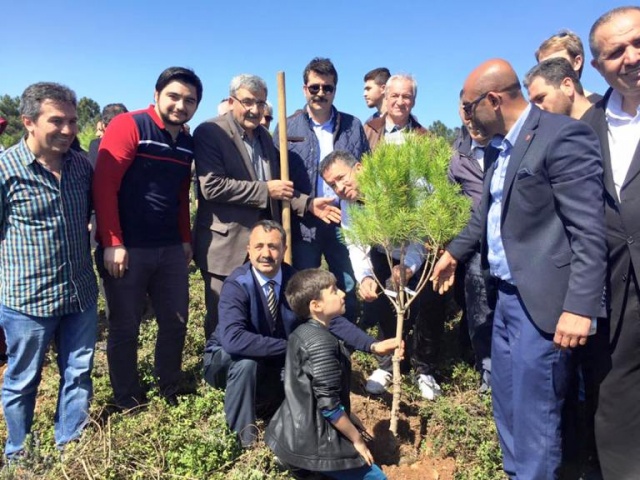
{"x": 397, "y": 375}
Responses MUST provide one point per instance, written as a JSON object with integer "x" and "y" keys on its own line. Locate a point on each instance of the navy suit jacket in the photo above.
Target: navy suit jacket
{"x": 622, "y": 215}
{"x": 245, "y": 327}
{"x": 552, "y": 223}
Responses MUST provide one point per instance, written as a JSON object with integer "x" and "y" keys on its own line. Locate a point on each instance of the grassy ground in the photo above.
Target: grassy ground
{"x": 191, "y": 441}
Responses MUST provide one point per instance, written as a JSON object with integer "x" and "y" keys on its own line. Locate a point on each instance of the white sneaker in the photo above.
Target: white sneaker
{"x": 378, "y": 382}
{"x": 429, "y": 388}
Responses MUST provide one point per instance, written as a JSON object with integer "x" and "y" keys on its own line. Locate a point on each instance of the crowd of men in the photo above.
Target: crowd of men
{"x": 545, "y": 267}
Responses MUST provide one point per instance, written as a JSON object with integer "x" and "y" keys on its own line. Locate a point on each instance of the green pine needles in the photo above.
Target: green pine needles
{"x": 407, "y": 196}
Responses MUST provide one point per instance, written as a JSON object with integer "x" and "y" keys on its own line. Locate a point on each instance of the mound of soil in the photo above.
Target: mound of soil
{"x": 403, "y": 457}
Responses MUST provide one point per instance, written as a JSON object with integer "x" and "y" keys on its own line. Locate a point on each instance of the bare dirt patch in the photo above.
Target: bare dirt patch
{"x": 407, "y": 456}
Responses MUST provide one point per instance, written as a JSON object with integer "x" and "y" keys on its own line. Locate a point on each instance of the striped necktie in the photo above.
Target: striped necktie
{"x": 272, "y": 302}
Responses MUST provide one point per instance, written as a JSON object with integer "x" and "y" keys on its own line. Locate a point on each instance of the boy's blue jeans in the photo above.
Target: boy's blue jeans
{"x": 362, "y": 473}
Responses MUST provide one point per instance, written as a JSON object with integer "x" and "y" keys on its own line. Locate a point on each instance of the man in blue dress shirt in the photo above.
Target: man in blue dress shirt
{"x": 540, "y": 226}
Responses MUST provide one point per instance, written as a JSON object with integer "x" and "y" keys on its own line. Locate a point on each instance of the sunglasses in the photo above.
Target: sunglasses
{"x": 315, "y": 88}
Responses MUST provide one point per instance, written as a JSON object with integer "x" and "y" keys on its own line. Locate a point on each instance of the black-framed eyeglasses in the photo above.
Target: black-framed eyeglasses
{"x": 249, "y": 103}
{"x": 468, "y": 107}
{"x": 314, "y": 88}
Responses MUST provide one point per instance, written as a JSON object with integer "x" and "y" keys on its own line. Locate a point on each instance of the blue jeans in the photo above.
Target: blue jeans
{"x": 372, "y": 472}
{"x": 329, "y": 241}
{"x": 27, "y": 340}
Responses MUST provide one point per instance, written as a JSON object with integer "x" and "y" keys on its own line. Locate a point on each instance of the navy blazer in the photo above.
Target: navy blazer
{"x": 552, "y": 223}
{"x": 245, "y": 327}
{"x": 622, "y": 219}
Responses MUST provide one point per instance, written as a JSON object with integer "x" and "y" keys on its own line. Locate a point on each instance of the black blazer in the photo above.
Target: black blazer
{"x": 622, "y": 215}
{"x": 552, "y": 223}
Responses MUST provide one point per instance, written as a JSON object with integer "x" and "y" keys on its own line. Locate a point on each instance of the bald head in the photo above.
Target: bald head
{"x": 495, "y": 75}
{"x": 492, "y": 99}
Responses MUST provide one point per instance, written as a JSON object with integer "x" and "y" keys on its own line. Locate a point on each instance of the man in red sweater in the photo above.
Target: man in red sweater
{"x": 141, "y": 197}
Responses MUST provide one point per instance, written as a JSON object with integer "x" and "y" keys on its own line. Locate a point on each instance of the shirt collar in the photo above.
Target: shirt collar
{"x": 27, "y": 156}
{"x": 504, "y": 143}
{"x": 151, "y": 111}
{"x": 263, "y": 279}
{"x": 328, "y": 125}
{"x": 614, "y": 111}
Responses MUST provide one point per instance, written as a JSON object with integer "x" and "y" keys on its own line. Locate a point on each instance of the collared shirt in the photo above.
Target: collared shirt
{"x": 324, "y": 133}
{"x": 45, "y": 258}
{"x": 624, "y": 136}
{"x": 393, "y": 133}
{"x": 498, "y": 264}
{"x": 255, "y": 152}
{"x": 477, "y": 152}
{"x": 263, "y": 281}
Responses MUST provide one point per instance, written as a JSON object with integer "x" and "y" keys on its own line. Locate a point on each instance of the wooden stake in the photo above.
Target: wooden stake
{"x": 284, "y": 161}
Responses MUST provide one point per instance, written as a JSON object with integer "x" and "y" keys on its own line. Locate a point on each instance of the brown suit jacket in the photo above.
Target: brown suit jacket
{"x": 230, "y": 197}
{"x": 374, "y": 129}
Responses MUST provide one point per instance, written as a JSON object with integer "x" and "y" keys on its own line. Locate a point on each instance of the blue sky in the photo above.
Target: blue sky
{"x": 113, "y": 51}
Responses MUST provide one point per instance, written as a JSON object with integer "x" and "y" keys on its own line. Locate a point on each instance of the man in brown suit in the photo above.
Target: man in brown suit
{"x": 238, "y": 174}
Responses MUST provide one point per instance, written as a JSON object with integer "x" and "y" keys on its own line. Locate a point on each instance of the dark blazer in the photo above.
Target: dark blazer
{"x": 552, "y": 223}
{"x": 246, "y": 328}
{"x": 622, "y": 219}
{"x": 231, "y": 199}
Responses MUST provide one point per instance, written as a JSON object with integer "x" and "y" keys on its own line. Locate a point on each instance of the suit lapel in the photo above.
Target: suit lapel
{"x": 518, "y": 151}
{"x": 239, "y": 144}
{"x": 634, "y": 168}
{"x": 599, "y": 125}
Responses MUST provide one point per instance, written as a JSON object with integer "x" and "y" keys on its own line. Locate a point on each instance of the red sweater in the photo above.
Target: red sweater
{"x": 141, "y": 183}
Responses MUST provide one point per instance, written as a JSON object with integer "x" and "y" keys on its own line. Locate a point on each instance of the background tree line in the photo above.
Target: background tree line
{"x": 89, "y": 114}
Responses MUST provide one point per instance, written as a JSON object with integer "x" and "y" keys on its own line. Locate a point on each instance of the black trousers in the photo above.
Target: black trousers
{"x": 422, "y": 329}
{"x": 245, "y": 398}
{"x": 617, "y": 422}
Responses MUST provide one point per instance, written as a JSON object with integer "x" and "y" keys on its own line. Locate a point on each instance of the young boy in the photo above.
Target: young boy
{"x": 312, "y": 429}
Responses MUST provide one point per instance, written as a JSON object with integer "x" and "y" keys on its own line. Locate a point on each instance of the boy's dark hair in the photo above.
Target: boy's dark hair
{"x": 320, "y": 66}
{"x": 305, "y": 286}
{"x": 180, "y": 74}
{"x": 378, "y": 75}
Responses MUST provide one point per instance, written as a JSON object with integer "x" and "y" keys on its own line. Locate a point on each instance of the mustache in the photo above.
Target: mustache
{"x": 266, "y": 260}
{"x": 319, "y": 99}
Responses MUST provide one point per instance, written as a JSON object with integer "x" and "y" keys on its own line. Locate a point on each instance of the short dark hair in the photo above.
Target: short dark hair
{"x": 378, "y": 75}
{"x": 268, "y": 225}
{"x": 179, "y": 74}
{"x": 305, "y": 286}
{"x": 110, "y": 111}
{"x": 34, "y": 95}
{"x": 563, "y": 40}
{"x": 554, "y": 71}
{"x": 320, "y": 66}
{"x": 606, "y": 18}
{"x": 335, "y": 156}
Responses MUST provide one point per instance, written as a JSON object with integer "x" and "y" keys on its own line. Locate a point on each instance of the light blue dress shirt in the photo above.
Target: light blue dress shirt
{"x": 498, "y": 265}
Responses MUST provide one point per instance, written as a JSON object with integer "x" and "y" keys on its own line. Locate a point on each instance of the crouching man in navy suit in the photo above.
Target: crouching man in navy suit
{"x": 245, "y": 355}
{"x": 540, "y": 227}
